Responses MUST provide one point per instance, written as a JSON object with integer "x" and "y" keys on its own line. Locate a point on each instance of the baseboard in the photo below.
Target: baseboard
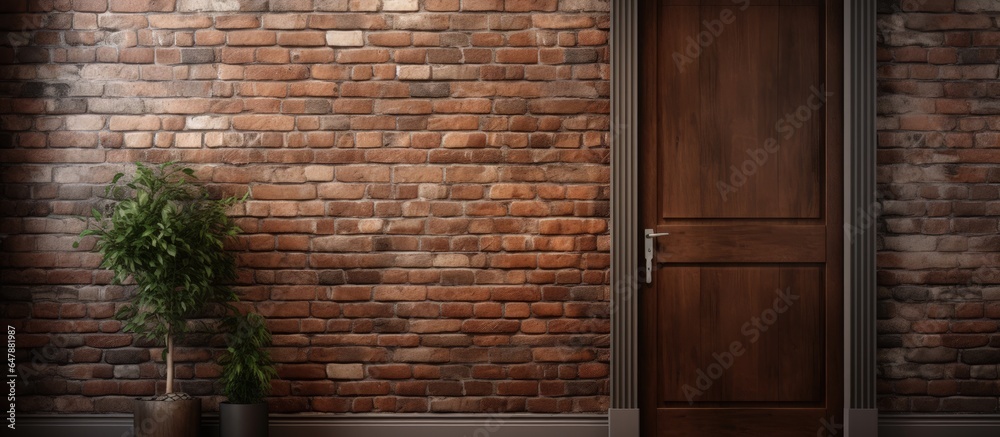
{"x": 354, "y": 425}
{"x": 467, "y": 425}
{"x": 938, "y": 425}
{"x": 860, "y": 422}
{"x": 623, "y": 422}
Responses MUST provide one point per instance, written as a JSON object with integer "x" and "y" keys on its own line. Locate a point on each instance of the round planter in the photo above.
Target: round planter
{"x": 166, "y": 418}
{"x": 243, "y": 420}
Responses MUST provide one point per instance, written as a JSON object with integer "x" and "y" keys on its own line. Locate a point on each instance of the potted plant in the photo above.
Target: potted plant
{"x": 247, "y": 370}
{"x": 166, "y": 236}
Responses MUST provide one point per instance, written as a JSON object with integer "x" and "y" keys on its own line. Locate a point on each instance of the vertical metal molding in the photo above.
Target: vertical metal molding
{"x": 861, "y": 135}
{"x": 624, "y": 205}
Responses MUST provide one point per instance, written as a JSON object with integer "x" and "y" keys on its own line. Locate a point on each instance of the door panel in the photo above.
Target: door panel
{"x": 764, "y": 346}
{"x": 764, "y": 64}
{"x": 741, "y": 163}
{"x": 798, "y": 161}
{"x": 738, "y": 242}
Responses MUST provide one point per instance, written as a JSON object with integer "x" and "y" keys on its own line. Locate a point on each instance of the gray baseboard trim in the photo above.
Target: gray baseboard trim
{"x": 860, "y": 422}
{"x": 76, "y": 425}
{"x": 618, "y": 423}
{"x": 939, "y": 425}
{"x": 354, "y": 425}
{"x": 623, "y": 422}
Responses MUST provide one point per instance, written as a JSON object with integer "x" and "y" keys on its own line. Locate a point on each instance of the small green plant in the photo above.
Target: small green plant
{"x": 166, "y": 235}
{"x": 247, "y": 368}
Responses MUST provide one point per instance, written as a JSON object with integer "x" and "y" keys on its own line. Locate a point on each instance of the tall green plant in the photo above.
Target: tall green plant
{"x": 247, "y": 368}
{"x": 167, "y": 235}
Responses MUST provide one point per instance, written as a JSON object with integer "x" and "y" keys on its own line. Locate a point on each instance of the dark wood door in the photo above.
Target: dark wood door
{"x": 742, "y": 148}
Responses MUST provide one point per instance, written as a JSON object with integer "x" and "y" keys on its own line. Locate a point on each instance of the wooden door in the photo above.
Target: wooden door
{"x": 740, "y": 105}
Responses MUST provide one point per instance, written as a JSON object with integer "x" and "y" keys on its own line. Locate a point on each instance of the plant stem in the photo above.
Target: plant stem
{"x": 170, "y": 363}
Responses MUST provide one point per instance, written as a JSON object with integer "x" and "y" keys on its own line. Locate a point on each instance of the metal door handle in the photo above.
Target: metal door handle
{"x": 650, "y": 252}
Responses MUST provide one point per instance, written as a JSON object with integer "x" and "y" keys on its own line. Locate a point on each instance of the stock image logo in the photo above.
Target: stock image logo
{"x": 713, "y": 29}
{"x": 786, "y": 126}
{"x": 752, "y": 331}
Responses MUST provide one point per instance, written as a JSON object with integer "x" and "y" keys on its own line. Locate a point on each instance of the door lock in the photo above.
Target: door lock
{"x": 650, "y": 252}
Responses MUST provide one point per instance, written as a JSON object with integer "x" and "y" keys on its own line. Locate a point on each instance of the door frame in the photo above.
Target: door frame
{"x": 860, "y": 210}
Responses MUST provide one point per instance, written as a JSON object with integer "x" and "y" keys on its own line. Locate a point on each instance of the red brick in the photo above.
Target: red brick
{"x": 390, "y": 371}
{"x": 490, "y": 326}
{"x": 482, "y": 5}
{"x": 301, "y": 38}
{"x": 138, "y": 5}
{"x": 252, "y": 38}
{"x": 557, "y": 21}
{"x": 932, "y": 22}
{"x": 363, "y": 388}
{"x": 169, "y": 21}
{"x": 530, "y": 5}
{"x": 236, "y": 22}
{"x": 365, "y": 56}
{"x": 390, "y": 39}
{"x": 263, "y": 122}
{"x": 442, "y": 5}
{"x": 517, "y": 56}
{"x": 90, "y": 5}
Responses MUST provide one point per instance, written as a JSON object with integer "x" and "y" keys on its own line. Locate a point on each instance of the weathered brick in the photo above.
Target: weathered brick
{"x": 345, "y": 371}
{"x": 442, "y": 5}
{"x": 90, "y": 5}
{"x": 556, "y": 21}
{"x": 975, "y": 6}
{"x": 84, "y": 122}
{"x": 197, "y": 56}
{"x": 236, "y": 22}
{"x": 146, "y": 122}
{"x": 252, "y": 38}
{"x": 207, "y": 5}
{"x": 517, "y": 56}
{"x": 290, "y": 5}
{"x": 400, "y": 5}
{"x": 362, "y": 56}
{"x": 276, "y": 72}
{"x": 347, "y": 38}
{"x": 931, "y": 22}
{"x": 207, "y": 122}
{"x": 140, "y": 5}
{"x": 263, "y": 122}
{"x": 170, "y": 21}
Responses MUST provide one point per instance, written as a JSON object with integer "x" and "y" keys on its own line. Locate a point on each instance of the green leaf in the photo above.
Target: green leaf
{"x": 165, "y": 235}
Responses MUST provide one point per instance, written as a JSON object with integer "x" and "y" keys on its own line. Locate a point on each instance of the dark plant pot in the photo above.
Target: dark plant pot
{"x": 243, "y": 420}
{"x": 154, "y": 418}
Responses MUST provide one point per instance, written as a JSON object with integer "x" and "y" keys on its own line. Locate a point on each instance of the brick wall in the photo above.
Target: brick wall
{"x": 429, "y": 179}
{"x": 939, "y": 169}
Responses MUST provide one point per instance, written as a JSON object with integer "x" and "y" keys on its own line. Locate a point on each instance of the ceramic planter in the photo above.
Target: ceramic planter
{"x": 243, "y": 420}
